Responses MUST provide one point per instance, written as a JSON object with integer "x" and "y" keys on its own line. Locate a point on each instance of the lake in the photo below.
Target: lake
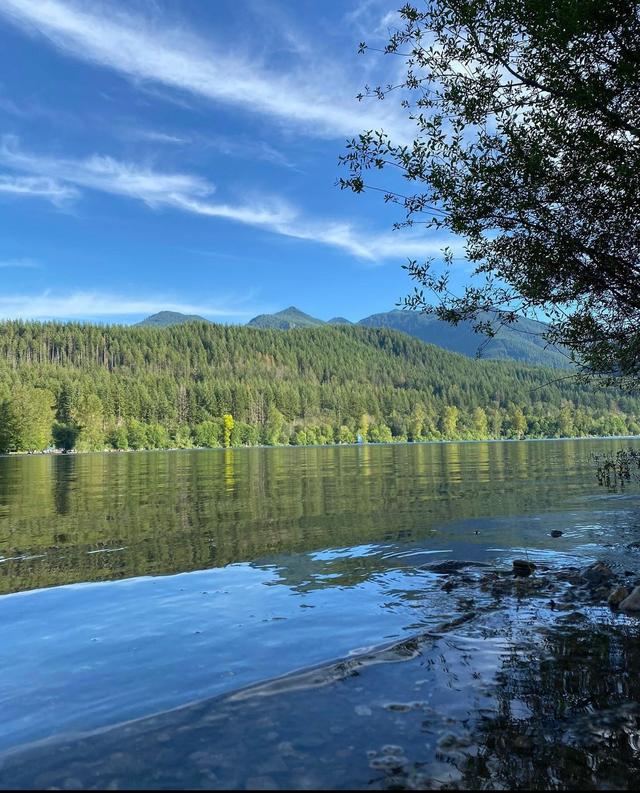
{"x": 270, "y": 618}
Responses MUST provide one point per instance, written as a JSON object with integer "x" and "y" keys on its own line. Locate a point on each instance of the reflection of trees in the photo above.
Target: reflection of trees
{"x": 61, "y": 480}
{"x": 188, "y": 510}
{"x": 568, "y": 714}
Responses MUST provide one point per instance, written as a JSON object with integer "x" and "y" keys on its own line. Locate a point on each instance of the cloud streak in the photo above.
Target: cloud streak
{"x": 195, "y": 195}
{"x": 310, "y": 96}
{"x": 19, "y": 264}
{"x": 36, "y": 187}
{"x": 83, "y": 305}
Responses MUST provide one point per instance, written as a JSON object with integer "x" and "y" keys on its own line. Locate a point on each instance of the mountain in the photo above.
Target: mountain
{"x": 520, "y": 341}
{"x": 286, "y": 319}
{"x": 164, "y": 319}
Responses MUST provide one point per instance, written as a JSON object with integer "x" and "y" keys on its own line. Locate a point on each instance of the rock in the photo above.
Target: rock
{"x": 523, "y": 567}
{"x": 447, "y": 626}
{"x": 632, "y": 602}
{"x": 617, "y": 595}
{"x": 597, "y": 574}
{"x": 451, "y": 566}
{"x": 556, "y": 533}
{"x": 569, "y": 576}
{"x": 575, "y": 618}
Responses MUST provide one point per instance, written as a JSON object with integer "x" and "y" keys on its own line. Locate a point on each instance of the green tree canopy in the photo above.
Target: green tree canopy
{"x": 527, "y": 145}
{"x": 26, "y": 420}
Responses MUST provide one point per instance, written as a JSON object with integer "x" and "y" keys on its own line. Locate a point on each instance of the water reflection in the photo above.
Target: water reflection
{"x": 498, "y": 708}
{"x": 311, "y": 559}
{"x": 179, "y": 511}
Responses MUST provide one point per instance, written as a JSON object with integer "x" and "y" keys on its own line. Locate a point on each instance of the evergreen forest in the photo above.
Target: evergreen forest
{"x": 83, "y": 387}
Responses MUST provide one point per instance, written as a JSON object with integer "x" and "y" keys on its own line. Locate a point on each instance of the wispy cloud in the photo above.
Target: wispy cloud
{"x": 193, "y": 194}
{"x": 36, "y": 187}
{"x": 156, "y": 189}
{"x": 154, "y": 136}
{"x": 19, "y": 264}
{"x": 83, "y": 305}
{"x": 238, "y": 146}
{"x": 311, "y": 94}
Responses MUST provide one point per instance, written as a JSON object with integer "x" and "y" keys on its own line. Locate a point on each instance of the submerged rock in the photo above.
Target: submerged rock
{"x": 597, "y": 574}
{"x": 556, "y": 533}
{"x": 632, "y": 602}
{"x": 451, "y": 566}
{"x": 617, "y": 595}
{"x": 523, "y": 567}
{"x": 575, "y": 618}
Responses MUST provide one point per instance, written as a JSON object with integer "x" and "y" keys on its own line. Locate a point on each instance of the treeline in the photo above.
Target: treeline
{"x": 88, "y": 387}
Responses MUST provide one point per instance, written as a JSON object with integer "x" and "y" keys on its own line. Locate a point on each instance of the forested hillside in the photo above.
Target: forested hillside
{"x": 90, "y": 387}
{"x": 521, "y": 341}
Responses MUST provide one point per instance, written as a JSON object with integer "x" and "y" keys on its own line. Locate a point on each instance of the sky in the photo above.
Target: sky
{"x": 184, "y": 155}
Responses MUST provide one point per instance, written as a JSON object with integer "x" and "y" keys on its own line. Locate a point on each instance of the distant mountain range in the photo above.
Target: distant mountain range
{"x": 521, "y": 341}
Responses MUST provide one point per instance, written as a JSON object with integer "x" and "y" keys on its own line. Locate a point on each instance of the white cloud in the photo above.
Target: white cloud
{"x": 192, "y": 194}
{"x": 36, "y": 187}
{"x": 82, "y": 305}
{"x": 105, "y": 174}
{"x": 157, "y": 137}
{"x": 314, "y": 93}
{"x": 156, "y": 189}
{"x": 19, "y": 264}
{"x": 371, "y": 246}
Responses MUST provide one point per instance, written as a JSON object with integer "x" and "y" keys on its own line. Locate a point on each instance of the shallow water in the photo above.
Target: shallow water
{"x": 151, "y": 601}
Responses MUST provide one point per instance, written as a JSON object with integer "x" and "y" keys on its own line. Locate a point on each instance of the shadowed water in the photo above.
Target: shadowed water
{"x": 268, "y": 618}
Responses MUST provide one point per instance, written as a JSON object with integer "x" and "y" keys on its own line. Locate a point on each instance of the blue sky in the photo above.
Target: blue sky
{"x": 184, "y": 155}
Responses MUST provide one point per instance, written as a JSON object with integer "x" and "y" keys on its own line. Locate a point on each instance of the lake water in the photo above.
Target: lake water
{"x": 267, "y": 618}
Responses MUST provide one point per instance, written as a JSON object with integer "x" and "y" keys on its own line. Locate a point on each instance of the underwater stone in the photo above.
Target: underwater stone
{"x": 597, "y": 574}
{"x": 523, "y": 567}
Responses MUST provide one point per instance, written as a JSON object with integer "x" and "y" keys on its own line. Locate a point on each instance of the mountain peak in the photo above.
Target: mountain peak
{"x": 164, "y": 319}
{"x": 286, "y": 319}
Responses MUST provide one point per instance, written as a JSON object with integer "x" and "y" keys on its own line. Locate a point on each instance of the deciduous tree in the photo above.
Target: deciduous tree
{"x": 527, "y": 146}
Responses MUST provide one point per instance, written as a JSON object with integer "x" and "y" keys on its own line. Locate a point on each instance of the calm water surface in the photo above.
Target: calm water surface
{"x": 264, "y": 618}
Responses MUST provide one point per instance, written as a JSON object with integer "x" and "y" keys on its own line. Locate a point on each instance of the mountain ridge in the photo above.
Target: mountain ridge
{"x": 521, "y": 341}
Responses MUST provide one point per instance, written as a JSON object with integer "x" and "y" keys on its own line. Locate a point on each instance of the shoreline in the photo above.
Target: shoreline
{"x": 73, "y": 452}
